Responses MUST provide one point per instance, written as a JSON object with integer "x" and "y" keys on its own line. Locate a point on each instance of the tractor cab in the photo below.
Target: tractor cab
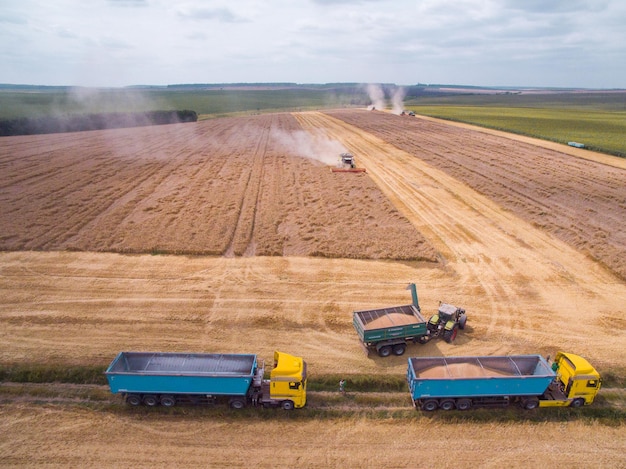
{"x": 449, "y": 312}
{"x": 447, "y": 322}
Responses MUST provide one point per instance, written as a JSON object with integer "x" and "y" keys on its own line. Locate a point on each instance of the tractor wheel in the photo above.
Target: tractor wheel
{"x": 399, "y": 349}
{"x": 447, "y": 404}
{"x": 287, "y": 405}
{"x": 450, "y": 334}
{"x": 133, "y": 400}
{"x": 464, "y": 404}
{"x": 462, "y": 321}
{"x": 384, "y": 351}
{"x": 430, "y": 405}
{"x": 577, "y": 402}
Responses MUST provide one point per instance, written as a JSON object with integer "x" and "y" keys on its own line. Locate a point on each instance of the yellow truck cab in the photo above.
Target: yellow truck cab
{"x": 288, "y": 379}
{"x": 577, "y": 382}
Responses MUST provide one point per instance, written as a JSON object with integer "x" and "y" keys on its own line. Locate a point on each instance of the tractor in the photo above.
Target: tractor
{"x": 447, "y": 322}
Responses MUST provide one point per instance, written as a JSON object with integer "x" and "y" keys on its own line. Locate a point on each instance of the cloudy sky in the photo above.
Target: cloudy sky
{"x": 561, "y": 43}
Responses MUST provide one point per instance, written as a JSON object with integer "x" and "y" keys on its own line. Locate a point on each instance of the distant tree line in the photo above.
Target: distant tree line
{"x": 81, "y": 122}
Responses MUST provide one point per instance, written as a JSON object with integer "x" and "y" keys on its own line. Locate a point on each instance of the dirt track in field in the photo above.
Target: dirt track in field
{"x": 525, "y": 291}
{"x": 580, "y": 200}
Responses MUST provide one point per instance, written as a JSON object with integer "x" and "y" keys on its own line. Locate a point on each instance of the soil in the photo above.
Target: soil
{"x": 525, "y": 290}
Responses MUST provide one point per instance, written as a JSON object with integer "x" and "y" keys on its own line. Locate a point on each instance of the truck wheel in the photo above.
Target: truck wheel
{"x": 150, "y": 400}
{"x": 399, "y": 349}
{"x": 237, "y": 404}
{"x": 450, "y": 335}
{"x": 384, "y": 351}
{"x": 447, "y": 404}
{"x": 133, "y": 399}
{"x": 577, "y": 402}
{"x": 464, "y": 404}
{"x": 430, "y": 405}
{"x": 530, "y": 404}
{"x": 287, "y": 405}
{"x": 168, "y": 400}
{"x": 462, "y": 321}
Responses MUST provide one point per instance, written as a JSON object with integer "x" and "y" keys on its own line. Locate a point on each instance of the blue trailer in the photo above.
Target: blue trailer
{"x": 464, "y": 382}
{"x": 153, "y": 378}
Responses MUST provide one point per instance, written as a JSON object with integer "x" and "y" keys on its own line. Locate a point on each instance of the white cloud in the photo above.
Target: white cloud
{"x": 480, "y": 42}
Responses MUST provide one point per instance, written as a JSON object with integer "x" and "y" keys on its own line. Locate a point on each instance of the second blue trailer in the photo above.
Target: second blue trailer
{"x": 465, "y": 382}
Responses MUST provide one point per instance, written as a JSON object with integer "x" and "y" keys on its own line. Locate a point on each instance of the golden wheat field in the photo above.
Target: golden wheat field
{"x": 233, "y": 235}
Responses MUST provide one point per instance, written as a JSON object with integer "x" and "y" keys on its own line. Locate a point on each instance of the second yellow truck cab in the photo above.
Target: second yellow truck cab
{"x": 576, "y": 384}
{"x": 288, "y": 380}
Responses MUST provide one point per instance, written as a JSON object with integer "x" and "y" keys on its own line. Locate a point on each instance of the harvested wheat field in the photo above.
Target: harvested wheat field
{"x": 229, "y": 236}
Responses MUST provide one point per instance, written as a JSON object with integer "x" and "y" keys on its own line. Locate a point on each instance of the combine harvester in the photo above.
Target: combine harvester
{"x": 347, "y": 165}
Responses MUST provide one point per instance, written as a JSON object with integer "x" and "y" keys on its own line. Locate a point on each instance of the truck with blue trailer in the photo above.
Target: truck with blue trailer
{"x": 389, "y": 330}
{"x": 167, "y": 379}
{"x": 497, "y": 381}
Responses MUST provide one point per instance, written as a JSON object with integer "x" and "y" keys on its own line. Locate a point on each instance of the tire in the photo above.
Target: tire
{"x": 450, "y": 335}
{"x": 530, "y": 404}
{"x": 462, "y": 321}
{"x": 464, "y": 404}
{"x": 167, "y": 400}
{"x": 150, "y": 400}
{"x": 447, "y": 404}
{"x": 430, "y": 405}
{"x": 423, "y": 339}
{"x": 287, "y": 405}
{"x": 399, "y": 349}
{"x": 133, "y": 400}
{"x": 384, "y": 351}
{"x": 237, "y": 404}
{"x": 577, "y": 403}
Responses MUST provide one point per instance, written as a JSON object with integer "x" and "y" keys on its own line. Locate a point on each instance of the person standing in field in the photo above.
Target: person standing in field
{"x": 342, "y": 386}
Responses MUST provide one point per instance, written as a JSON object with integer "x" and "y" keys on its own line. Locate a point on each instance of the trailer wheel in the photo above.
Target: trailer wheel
{"x": 447, "y": 404}
{"x": 423, "y": 339}
{"x": 287, "y": 405}
{"x": 384, "y": 351}
{"x": 133, "y": 399}
{"x": 167, "y": 400}
{"x": 399, "y": 349}
{"x": 237, "y": 404}
{"x": 464, "y": 404}
{"x": 150, "y": 400}
{"x": 450, "y": 335}
{"x": 430, "y": 405}
{"x": 577, "y": 402}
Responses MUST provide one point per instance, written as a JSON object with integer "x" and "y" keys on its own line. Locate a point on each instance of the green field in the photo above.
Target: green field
{"x": 596, "y": 119}
{"x": 213, "y": 102}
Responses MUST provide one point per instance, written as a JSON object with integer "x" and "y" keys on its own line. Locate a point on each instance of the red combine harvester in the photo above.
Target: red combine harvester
{"x": 347, "y": 165}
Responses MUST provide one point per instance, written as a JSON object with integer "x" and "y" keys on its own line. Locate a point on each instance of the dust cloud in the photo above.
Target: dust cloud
{"x": 315, "y": 146}
{"x": 377, "y": 93}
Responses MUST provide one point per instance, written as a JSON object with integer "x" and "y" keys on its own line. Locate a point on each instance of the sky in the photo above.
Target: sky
{"x": 114, "y": 43}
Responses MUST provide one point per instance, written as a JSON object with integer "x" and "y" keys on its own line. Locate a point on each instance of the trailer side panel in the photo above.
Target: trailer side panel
{"x": 159, "y": 373}
{"x": 454, "y": 377}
